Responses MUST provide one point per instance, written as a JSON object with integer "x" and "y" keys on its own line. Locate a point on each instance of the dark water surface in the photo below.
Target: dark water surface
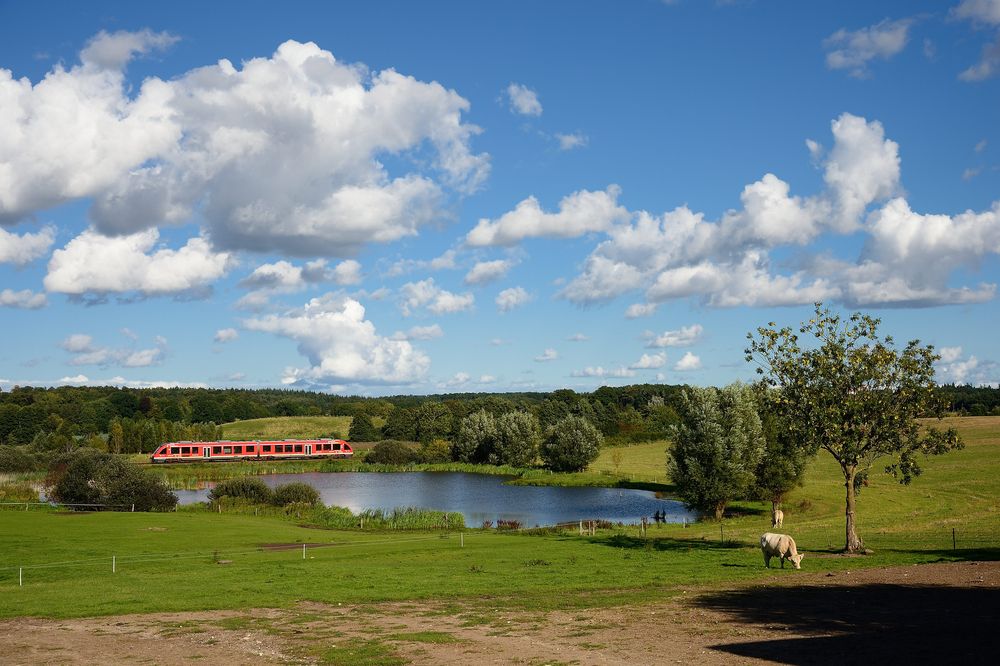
{"x": 478, "y": 497}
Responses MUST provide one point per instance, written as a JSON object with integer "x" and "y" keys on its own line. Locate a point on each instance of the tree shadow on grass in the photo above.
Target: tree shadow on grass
{"x": 667, "y": 544}
{"x": 877, "y": 623}
{"x": 957, "y": 555}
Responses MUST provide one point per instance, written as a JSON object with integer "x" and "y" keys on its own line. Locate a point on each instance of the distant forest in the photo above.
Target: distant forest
{"x": 140, "y": 419}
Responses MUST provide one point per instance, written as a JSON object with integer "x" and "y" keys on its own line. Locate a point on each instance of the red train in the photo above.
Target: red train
{"x": 258, "y": 450}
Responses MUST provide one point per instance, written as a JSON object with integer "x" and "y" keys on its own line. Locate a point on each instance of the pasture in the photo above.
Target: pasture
{"x": 288, "y": 427}
{"x": 171, "y": 562}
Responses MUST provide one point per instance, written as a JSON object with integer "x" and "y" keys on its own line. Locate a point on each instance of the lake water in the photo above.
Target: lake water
{"x": 478, "y": 497}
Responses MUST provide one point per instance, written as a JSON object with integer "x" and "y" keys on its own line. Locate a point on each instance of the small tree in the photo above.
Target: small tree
{"x": 517, "y": 438}
{"x": 855, "y": 396}
{"x": 476, "y": 436}
{"x": 783, "y": 463}
{"x": 716, "y": 447}
{"x": 363, "y": 430}
{"x": 571, "y": 444}
{"x": 295, "y": 493}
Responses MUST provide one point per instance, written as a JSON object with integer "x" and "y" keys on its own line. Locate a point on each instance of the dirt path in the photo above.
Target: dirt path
{"x": 949, "y": 613}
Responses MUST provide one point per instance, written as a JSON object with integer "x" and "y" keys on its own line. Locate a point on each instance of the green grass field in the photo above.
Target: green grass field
{"x": 287, "y": 427}
{"x": 174, "y": 561}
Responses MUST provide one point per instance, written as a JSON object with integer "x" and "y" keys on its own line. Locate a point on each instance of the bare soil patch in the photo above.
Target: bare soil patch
{"x": 949, "y": 613}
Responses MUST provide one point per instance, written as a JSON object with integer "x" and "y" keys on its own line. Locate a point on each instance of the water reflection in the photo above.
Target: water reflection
{"x": 479, "y": 497}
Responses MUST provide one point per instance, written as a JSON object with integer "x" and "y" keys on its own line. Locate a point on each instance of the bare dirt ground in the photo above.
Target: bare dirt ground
{"x": 945, "y": 613}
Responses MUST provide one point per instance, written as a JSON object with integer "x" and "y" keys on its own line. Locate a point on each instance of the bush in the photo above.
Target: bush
{"x": 295, "y": 493}
{"x": 17, "y": 459}
{"x": 254, "y": 491}
{"x": 362, "y": 429}
{"x": 435, "y": 451}
{"x": 87, "y": 476}
{"x": 392, "y": 452}
{"x": 571, "y": 444}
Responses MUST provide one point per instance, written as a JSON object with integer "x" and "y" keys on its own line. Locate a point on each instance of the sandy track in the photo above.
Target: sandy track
{"x": 949, "y": 613}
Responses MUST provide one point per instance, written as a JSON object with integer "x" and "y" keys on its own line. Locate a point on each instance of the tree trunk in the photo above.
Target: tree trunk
{"x": 720, "y": 508}
{"x": 853, "y": 542}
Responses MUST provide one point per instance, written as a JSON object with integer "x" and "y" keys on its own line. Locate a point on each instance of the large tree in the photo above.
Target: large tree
{"x": 852, "y": 393}
{"x": 717, "y": 447}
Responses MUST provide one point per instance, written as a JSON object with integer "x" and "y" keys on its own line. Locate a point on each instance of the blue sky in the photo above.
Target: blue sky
{"x": 397, "y": 197}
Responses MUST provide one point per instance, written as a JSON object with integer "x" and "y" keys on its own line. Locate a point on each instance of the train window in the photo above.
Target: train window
{"x": 298, "y": 448}
{"x": 237, "y": 449}
{"x": 185, "y": 450}
{"x": 288, "y": 448}
{"x": 336, "y": 447}
{"x": 227, "y": 450}
{"x": 216, "y": 450}
{"x": 174, "y": 450}
{"x": 267, "y": 448}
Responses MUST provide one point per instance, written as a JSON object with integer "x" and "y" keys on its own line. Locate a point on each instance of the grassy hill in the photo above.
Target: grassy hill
{"x": 197, "y": 559}
{"x": 288, "y": 427}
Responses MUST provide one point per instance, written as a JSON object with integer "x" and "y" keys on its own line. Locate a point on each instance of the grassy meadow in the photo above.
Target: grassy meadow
{"x": 197, "y": 559}
{"x": 287, "y": 427}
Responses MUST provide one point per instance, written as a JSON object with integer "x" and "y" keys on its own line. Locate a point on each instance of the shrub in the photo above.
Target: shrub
{"x": 392, "y": 452}
{"x": 295, "y": 493}
{"x": 571, "y": 444}
{"x": 17, "y": 459}
{"x": 87, "y": 476}
{"x": 362, "y": 429}
{"x": 252, "y": 490}
{"x": 435, "y": 451}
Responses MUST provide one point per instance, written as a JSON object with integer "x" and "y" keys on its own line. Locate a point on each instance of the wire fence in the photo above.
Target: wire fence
{"x": 114, "y": 563}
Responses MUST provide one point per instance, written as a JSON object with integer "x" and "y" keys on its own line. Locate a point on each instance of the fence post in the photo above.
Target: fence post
{"x": 20, "y": 576}
{"x": 953, "y": 538}
{"x": 722, "y": 536}
{"x": 303, "y": 551}
{"x": 114, "y": 564}
{"x": 133, "y": 507}
{"x": 581, "y": 528}
{"x": 462, "y": 539}
{"x": 25, "y": 506}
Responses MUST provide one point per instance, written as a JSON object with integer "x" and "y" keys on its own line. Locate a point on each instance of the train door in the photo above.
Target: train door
{"x": 309, "y": 449}
{"x": 206, "y": 451}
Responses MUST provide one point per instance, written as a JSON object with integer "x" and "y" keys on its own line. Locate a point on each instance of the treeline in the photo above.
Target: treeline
{"x": 971, "y": 400}
{"x": 633, "y": 413}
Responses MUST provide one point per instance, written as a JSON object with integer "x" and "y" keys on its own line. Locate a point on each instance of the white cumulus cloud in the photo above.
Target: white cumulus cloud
{"x": 682, "y": 337}
{"x": 637, "y": 310}
{"x": 600, "y": 371}
{"x": 24, "y": 299}
{"x": 285, "y": 153}
{"x": 426, "y": 294}
{"x": 523, "y": 100}
{"x": 650, "y": 362}
{"x": 488, "y": 271}
{"x": 342, "y": 346}
{"x": 224, "y": 335}
{"x": 512, "y": 298}
{"x": 93, "y": 263}
{"x": 579, "y": 213}
{"x": 21, "y": 249}
{"x": 547, "y": 355}
{"x": 687, "y": 363}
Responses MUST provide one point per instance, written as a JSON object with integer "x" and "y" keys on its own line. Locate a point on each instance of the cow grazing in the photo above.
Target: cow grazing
{"x": 777, "y": 518}
{"x": 779, "y": 545}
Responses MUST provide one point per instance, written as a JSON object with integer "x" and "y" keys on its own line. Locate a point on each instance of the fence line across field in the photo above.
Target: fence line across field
{"x": 116, "y": 561}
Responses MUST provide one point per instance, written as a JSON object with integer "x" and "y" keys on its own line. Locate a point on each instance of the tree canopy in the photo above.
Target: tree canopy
{"x": 854, "y": 395}
{"x": 716, "y": 448}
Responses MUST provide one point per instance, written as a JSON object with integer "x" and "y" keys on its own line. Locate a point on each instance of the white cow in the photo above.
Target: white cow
{"x": 777, "y": 518}
{"x": 779, "y": 545}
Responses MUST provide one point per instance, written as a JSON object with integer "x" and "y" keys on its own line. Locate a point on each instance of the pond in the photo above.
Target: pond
{"x": 478, "y": 497}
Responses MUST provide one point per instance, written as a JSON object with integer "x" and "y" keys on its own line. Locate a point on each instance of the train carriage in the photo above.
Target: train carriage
{"x": 289, "y": 449}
